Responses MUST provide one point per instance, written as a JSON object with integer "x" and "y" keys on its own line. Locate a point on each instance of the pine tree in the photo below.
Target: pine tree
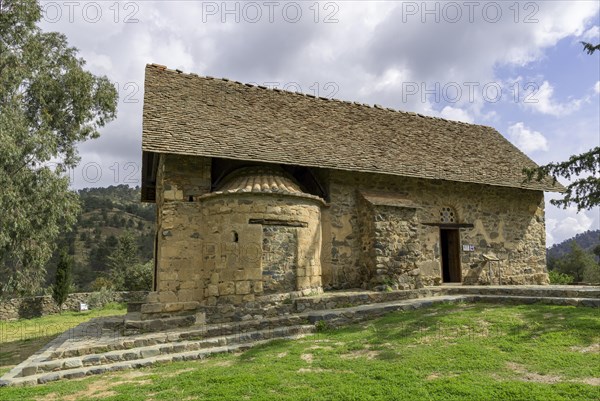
{"x": 62, "y": 285}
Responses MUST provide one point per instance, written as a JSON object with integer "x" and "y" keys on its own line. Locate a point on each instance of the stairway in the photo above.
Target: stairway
{"x": 96, "y": 346}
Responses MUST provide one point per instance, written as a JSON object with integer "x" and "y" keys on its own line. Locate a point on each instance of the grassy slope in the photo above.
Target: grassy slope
{"x": 469, "y": 352}
{"x": 21, "y": 338}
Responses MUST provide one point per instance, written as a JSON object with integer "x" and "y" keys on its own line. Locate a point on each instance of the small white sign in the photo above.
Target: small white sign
{"x": 469, "y": 248}
{"x": 83, "y": 306}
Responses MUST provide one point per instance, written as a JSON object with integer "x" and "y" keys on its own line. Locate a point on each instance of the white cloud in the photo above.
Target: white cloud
{"x": 454, "y": 113}
{"x": 592, "y": 34}
{"x": 573, "y": 223}
{"x": 370, "y": 52}
{"x": 542, "y": 100}
{"x": 526, "y": 139}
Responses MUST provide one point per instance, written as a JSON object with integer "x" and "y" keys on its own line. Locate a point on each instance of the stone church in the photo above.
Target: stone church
{"x": 262, "y": 192}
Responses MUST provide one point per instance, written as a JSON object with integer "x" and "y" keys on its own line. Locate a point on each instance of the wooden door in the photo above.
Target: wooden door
{"x": 450, "y": 244}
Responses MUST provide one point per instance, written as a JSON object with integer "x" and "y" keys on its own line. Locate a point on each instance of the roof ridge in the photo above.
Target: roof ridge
{"x": 287, "y": 92}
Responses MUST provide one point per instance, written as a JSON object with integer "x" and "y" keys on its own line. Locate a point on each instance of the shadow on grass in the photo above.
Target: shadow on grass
{"x": 543, "y": 319}
{"x": 15, "y": 352}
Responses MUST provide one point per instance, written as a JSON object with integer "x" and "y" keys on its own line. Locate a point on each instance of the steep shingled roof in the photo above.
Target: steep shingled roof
{"x": 203, "y": 116}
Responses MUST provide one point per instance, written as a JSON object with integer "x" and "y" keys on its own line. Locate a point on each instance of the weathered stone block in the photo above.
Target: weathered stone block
{"x": 253, "y": 274}
{"x": 173, "y": 307}
{"x": 242, "y": 287}
{"x": 72, "y": 363}
{"x": 167, "y": 296}
{"x": 239, "y": 275}
{"x": 213, "y": 290}
{"x": 248, "y": 298}
{"x": 303, "y": 282}
{"x": 227, "y": 288}
{"x": 186, "y": 295}
{"x": 187, "y": 274}
{"x": 148, "y": 353}
{"x": 191, "y": 305}
{"x": 188, "y": 285}
{"x": 152, "y": 308}
{"x": 152, "y": 297}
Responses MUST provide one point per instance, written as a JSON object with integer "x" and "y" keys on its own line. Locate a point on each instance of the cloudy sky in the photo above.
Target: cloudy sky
{"x": 516, "y": 66}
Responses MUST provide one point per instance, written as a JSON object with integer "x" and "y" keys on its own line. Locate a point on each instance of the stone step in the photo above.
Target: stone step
{"x": 148, "y": 351}
{"x": 341, "y": 299}
{"x": 525, "y": 300}
{"x": 115, "y": 341}
{"x": 344, "y": 299}
{"x": 564, "y": 291}
{"x": 204, "y": 332}
{"x": 45, "y": 377}
{"x": 359, "y": 313}
{"x": 349, "y": 298}
{"x": 72, "y": 358}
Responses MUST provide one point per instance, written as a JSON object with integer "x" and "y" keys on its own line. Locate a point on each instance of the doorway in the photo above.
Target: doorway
{"x": 450, "y": 246}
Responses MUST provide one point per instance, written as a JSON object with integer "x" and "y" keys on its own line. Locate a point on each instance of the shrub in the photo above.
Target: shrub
{"x": 323, "y": 326}
{"x": 139, "y": 277}
{"x": 99, "y": 299}
{"x": 559, "y": 278}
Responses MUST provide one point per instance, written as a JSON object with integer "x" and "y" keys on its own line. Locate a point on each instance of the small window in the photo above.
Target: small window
{"x": 234, "y": 236}
{"x": 448, "y": 215}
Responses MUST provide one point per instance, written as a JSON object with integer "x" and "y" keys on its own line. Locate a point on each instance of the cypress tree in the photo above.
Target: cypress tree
{"x": 62, "y": 285}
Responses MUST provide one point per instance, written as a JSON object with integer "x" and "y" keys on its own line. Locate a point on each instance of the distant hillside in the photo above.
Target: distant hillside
{"x": 106, "y": 214}
{"x": 587, "y": 240}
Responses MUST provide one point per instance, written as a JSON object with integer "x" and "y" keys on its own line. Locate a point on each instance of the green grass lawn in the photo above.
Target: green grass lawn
{"x": 449, "y": 352}
{"x": 21, "y": 338}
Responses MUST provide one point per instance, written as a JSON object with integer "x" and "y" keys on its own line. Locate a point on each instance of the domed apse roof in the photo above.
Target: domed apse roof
{"x": 260, "y": 179}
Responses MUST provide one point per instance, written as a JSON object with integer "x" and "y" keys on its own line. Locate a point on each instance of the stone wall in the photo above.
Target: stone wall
{"x": 377, "y": 231}
{"x": 228, "y": 248}
{"x": 507, "y": 223}
{"x": 390, "y": 246}
{"x": 279, "y": 259}
{"x": 18, "y": 308}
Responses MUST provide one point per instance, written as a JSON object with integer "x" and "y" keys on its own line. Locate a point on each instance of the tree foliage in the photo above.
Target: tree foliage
{"x": 584, "y": 192}
{"x": 48, "y": 103}
{"x": 139, "y": 277}
{"x": 578, "y": 264}
{"x": 123, "y": 259}
{"x": 559, "y": 278}
{"x": 62, "y": 284}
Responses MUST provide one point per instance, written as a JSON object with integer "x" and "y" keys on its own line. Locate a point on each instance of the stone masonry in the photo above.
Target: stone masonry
{"x": 264, "y": 196}
{"x": 507, "y": 222}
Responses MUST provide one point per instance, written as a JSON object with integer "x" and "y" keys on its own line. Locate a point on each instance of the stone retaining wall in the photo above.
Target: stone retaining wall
{"x": 29, "y": 307}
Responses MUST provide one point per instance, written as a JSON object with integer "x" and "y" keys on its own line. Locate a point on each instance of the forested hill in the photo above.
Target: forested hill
{"x": 107, "y": 213}
{"x": 587, "y": 240}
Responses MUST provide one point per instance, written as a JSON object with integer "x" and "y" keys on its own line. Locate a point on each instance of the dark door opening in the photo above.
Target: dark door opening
{"x": 450, "y": 244}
